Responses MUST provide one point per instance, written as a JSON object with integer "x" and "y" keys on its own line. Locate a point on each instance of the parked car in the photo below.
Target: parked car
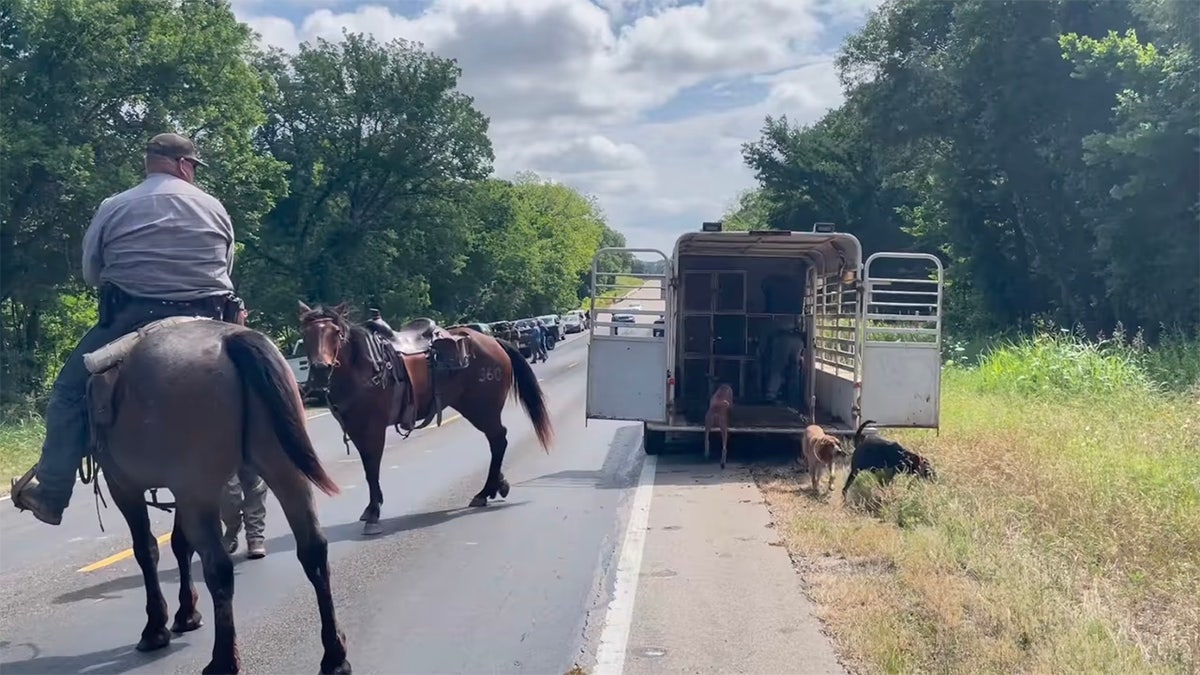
{"x": 553, "y": 329}
{"x": 481, "y": 327}
{"x": 511, "y": 332}
{"x": 524, "y": 339}
{"x": 572, "y": 322}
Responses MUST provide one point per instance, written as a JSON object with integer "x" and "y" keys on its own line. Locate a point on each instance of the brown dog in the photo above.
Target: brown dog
{"x": 718, "y": 416}
{"x": 820, "y": 450}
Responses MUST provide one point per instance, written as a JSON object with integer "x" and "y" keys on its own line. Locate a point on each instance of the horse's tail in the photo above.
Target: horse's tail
{"x": 530, "y": 392}
{"x": 264, "y": 372}
{"x": 858, "y": 432}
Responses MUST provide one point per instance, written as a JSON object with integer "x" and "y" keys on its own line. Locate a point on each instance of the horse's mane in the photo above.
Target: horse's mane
{"x": 342, "y": 320}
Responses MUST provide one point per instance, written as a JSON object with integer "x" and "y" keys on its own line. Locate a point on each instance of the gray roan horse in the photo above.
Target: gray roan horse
{"x": 188, "y": 404}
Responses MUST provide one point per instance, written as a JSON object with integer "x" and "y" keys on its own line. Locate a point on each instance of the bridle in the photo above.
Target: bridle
{"x": 342, "y": 339}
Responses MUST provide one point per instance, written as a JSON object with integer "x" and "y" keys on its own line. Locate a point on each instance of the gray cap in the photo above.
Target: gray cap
{"x": 173, "y": 146}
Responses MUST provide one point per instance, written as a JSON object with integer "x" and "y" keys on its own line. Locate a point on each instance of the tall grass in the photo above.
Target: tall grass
{"x": 1063, "y": 534}
{"x": 21, "y": 434}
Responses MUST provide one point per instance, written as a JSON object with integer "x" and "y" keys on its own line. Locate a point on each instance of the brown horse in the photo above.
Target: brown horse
{"x": 376, "y": 377}
{"x": 186, "y": 407}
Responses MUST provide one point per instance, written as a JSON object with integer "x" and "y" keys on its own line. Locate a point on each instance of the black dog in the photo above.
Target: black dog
{"x": 874, "y": 453}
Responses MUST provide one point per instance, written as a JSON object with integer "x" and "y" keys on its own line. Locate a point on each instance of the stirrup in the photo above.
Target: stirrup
{"x": 18, "y": 486}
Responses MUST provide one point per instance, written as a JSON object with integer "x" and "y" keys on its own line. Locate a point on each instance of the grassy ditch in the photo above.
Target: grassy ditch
{"x": 1061, "y": 536}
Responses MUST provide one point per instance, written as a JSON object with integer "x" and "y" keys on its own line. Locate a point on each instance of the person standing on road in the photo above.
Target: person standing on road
{"x": 539, "y": 341}
{"x": 245, "y": 499}
{"x": 162, "y": 248}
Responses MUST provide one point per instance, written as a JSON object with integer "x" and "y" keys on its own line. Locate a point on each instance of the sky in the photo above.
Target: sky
{"x": 643, "y": 103}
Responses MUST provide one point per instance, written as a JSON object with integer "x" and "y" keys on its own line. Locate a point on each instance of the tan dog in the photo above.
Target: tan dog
{"x": 718, "y": 416}
{"x": 820, "y": 450}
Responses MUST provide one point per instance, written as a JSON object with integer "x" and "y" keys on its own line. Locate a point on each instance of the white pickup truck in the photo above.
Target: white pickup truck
{"x": 872, "y": 335}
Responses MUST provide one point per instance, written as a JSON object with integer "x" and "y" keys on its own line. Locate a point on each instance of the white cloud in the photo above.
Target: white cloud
{"x": 573, "y": 86}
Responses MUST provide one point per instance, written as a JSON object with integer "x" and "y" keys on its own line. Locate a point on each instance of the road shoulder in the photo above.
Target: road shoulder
{"x": 717, "y": 591}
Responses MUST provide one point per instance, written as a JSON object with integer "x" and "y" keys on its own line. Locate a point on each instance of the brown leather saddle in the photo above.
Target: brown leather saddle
{"x": 422, "y": 354}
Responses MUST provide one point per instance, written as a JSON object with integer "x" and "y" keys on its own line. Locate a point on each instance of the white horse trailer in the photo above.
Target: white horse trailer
{"x": 872, "y": 335}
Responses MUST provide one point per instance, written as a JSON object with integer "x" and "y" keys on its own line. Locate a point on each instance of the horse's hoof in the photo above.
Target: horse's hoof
{"x": 154, "y": 639}
{"x": 504, "y": 488}
{"x": 342, "y": 668}
{"x": 185, "y": 624}
{"x": 371, "y": 529}
{"x": 478, "y": 501}
{"x": 214, "y": 668}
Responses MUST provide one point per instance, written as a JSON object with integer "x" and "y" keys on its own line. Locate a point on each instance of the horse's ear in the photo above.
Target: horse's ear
{"x": 304, "y": 309}
{"x": 341, "y": 309}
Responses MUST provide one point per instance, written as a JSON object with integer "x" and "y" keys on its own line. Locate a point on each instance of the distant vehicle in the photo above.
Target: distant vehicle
{"x": 660, "y": 332}
{"x": 621, "y": 318}
{"x": 572, "y": 322}
{"x": 504, "y": 330}
{"x": 298, "y": 362}
{"x": 484, "y": 328}
{"x": 553, "y": 329}
{"x": 524, "y": 341}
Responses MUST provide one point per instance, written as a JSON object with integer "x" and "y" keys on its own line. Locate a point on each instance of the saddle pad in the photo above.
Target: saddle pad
{"x": 114, "y": 352}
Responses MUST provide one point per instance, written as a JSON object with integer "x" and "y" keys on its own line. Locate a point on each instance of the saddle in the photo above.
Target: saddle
{"x": 104, "y": 366}
{"x": 418, "y": 355}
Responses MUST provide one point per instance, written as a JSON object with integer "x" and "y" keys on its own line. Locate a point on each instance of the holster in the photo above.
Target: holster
{"x": 231, "y": 310}
{"x": 111, "y": 301}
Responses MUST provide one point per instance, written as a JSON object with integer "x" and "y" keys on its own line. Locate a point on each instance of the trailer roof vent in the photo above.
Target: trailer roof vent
{"x": 712, "y": 226}
{"x": 823, "y": 227}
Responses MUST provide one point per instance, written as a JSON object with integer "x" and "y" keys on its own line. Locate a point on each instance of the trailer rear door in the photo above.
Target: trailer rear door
{"x": 901, "y": 337}
{"x": 628, "y": 360}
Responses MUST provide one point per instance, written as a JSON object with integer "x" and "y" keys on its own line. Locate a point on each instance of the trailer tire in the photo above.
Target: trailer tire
{"x": 653, "y": 441}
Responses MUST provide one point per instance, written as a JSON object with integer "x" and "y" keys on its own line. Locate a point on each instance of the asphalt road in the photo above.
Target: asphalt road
{"x": 574, "y": 568}
{"x": 445, "y": 589}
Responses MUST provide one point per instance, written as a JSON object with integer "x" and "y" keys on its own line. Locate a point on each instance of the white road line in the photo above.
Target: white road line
{"x": 614, "y": 638}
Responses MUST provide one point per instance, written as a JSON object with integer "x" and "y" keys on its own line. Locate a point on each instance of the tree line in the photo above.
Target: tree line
{"x": 1049, "y": 151}
{"x": 353, "y": 170}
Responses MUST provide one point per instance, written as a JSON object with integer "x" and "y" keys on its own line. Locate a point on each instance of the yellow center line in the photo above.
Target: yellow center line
{"x": 127, "y": 553}
{"x": 117, "y": 557}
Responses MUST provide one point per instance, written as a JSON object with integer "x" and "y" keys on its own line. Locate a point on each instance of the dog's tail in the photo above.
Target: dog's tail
{"x": 858, "y": 432}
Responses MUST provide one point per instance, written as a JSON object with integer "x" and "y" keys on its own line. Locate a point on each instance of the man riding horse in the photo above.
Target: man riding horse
{"x": 163, "y": 248}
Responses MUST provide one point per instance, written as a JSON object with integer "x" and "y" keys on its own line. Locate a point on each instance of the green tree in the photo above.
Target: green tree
{"x": 1146, "y": 171}
{"x": 1051, "y": 185}
{"x": 382, "y": 149}
{"x": 84, "y": 85}
{"x": 751, "y": 210}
